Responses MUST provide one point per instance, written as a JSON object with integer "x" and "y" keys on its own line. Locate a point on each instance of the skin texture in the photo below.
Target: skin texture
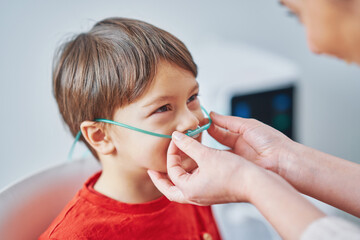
{"x": 169, "y": 104}
{"x": 332, "y": 26}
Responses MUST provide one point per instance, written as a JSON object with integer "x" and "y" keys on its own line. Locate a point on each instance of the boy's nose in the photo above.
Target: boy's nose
{"x": 188, "y": 121}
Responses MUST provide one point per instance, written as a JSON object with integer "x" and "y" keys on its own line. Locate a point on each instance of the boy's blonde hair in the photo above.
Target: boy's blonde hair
{"x": 111, "y": 66}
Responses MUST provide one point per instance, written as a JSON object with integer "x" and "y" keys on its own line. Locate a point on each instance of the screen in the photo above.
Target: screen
{"x": 274, "y": 108}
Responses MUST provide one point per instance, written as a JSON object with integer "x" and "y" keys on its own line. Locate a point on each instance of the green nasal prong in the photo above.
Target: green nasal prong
{"x": 195, "y": 132}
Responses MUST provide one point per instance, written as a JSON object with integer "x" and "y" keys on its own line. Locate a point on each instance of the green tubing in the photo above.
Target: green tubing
{"x": 190, "y": 133}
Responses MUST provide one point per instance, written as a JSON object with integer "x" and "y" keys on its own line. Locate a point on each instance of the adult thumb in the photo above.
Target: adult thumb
{"x": 190, "y": 147}
{"x": 234, "y": 124}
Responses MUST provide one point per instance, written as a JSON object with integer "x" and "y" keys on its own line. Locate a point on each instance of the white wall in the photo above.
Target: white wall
{"x": 32, "y": 134}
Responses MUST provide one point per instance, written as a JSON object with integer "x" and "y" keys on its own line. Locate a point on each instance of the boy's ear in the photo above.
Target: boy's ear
{"x": 97, "y": 138}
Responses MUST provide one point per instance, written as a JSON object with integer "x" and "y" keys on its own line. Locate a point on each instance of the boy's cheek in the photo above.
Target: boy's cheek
{"x": 159, "y": 153}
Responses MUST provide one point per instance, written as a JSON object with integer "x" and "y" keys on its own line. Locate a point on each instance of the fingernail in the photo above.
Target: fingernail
{"x": 214, "y": 114}
{"x": 177, "y": 135}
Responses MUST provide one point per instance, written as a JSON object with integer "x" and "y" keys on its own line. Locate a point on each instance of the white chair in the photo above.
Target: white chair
{"x": 28, "y": 207}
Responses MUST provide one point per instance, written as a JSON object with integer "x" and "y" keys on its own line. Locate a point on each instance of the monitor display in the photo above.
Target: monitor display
{"x": 275, "y": 108}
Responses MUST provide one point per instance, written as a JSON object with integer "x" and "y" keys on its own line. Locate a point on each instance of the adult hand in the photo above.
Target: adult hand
{"x": 254, "y": 141}
{"x": 220, "y": 177}
{"x": 313, "y": 173}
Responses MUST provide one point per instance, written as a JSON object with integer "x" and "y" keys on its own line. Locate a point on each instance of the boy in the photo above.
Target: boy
{"x": 136, "y": 74}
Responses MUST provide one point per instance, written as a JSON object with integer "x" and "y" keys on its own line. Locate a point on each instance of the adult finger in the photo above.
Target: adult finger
{"x": 234, "y": 124}
{"x": 190, "y": 147}
{"x": 223, "y": 136}
{"x": 163, "y": 183}
{"x": 235, "y": 141}
{"x": 174, "y": 168}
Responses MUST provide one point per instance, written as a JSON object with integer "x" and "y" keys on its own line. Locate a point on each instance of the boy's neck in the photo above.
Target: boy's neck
{"x": 125, "y": 185}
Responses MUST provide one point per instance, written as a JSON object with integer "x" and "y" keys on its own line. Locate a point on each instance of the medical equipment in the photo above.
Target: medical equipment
{"x": 190, "y": 133}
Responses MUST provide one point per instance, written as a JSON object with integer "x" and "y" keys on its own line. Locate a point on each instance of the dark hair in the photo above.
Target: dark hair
{"x": 111, "y": 66}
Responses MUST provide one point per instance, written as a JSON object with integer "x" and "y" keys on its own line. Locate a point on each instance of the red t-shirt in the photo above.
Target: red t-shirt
{"x": 92, "y": 215}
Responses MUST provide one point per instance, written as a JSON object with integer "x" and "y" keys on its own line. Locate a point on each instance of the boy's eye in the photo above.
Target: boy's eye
{"x": 164, "y": 108}
{"x": 192, "y": 98}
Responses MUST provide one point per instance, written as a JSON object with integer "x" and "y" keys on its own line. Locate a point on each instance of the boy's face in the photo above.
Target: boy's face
{"x": 169, "y": 104}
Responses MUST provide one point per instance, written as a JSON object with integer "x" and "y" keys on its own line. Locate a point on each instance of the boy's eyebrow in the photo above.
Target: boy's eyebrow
{"x": 167, "y": 98}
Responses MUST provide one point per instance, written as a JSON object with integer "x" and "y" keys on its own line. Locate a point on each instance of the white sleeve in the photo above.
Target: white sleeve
{"x": 331, "y": 228}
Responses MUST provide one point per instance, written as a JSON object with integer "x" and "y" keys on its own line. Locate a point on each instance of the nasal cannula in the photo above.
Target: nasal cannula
{"x": 190, "y": 133}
